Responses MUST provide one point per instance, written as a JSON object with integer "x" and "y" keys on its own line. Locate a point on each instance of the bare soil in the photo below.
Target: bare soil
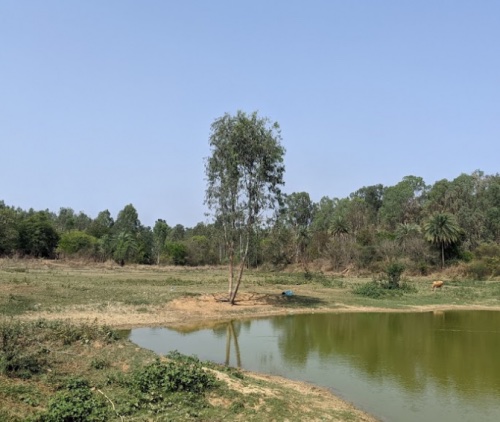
{"x": 206, "y": 310}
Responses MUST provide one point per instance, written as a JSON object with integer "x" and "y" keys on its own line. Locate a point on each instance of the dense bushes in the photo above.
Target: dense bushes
{"x": 388, "y": 283}
{"x": 77, "y": 243}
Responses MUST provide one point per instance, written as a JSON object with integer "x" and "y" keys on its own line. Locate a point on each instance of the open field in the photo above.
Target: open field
{"x": 58, "y": 321}
{"x": 132, "y": 296}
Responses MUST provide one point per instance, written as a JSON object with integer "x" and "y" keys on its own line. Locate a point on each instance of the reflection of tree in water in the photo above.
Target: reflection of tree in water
{"x": 231, "y": 330}
{"x": 454, "y": 349}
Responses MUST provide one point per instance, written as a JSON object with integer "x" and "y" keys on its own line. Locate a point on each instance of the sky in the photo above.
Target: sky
{"x": 104, "y": 103}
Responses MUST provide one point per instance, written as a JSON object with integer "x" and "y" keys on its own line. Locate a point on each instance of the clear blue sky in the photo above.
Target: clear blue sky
{"x": 105, "y": 103}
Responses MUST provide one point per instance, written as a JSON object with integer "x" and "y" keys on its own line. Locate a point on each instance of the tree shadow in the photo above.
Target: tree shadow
{"x": 295, "y": 301}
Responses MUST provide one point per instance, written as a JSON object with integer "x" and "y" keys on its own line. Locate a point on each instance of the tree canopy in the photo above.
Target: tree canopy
{"x": 244, "y": 175}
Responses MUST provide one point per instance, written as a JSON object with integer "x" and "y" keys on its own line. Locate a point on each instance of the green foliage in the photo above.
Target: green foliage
{"x": 127, "y": 220}
{"x": 298, "y": 212}
{"x": 378, "y": 289}
{"x": 394, "y": 272}
{"x": 8, "y": 230}
{"x": 388, "y": 283}
{"x": 16, "y": 304}
{"x": 84, "y": 333}
{"x": 479, "y": 270}
{"x": 16, "y": 359}
{"x": 77, "y": 242}
{"x": 244, "y": 175}
{"x": 76, "y": 402}
{"x": 177, "y": 252}
{"x": 402, "y": 202}
{"x": 37, "y": 236}
{"x": 442, "y": 229}
{"x": 125, "y": 247}
{"x": 487, "y": 250}
{"x": 371, "y": 289}
{"x": 100, "y": 363}
{"x": 102, "y": 225}
{"x": 158, "y": 380}
{"x": 160, "y": 232}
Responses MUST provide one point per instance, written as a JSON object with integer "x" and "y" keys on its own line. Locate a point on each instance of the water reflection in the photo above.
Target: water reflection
{"x": 232, "y": 334}
{"x": 399, "y": 366}
{"x": 456, "y": 350}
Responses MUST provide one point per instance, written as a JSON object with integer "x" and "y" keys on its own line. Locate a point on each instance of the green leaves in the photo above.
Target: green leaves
{"x": 244, "y": 175}
{"x": 442, "y": 229}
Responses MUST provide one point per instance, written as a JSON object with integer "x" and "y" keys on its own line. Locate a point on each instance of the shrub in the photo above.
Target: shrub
{"x": 76, "y": 402}
{"x": 77, "y": 242}
{"x": 371, "y": 289}
{"x": 16, "y": 359}
{"x": 479, "y": 270}
{"x": 487, "y": 250}
{"x": 180, "y": 374}
{"x": 393, "y": 272}
{"x": 177, "y": 252}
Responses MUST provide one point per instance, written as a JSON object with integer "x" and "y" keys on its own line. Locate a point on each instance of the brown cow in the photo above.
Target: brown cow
{"x": 437, "y": 284}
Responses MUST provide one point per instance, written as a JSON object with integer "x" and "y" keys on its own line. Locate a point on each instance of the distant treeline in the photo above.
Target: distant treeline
{"x": 422, "y": 226}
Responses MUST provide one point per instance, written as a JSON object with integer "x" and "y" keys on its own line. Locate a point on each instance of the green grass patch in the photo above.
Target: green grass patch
{"x": 14, "y": 304}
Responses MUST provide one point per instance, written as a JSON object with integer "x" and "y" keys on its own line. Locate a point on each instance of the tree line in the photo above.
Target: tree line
{"x": 424, "y": 226}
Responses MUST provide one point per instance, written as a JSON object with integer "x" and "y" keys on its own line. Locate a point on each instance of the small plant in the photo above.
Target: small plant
{"x": 76, "y": 402}
{"x": 181, "y": 374}
{"x": 99, "y": 363}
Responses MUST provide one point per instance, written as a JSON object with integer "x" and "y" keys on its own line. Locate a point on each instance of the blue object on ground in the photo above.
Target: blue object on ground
{"x": 287, "y": 293}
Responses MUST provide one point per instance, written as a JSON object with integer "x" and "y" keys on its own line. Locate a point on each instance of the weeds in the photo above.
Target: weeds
{"x": 180, "y": 374}
{"x": 16, "y": 358}
{"x": 84, "y": 333}
{"x": 76, "y": 402}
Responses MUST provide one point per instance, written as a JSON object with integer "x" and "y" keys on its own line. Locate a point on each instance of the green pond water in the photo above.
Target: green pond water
{"x": 433, "y": 366}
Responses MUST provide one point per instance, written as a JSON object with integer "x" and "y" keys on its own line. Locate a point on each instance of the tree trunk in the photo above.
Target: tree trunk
{"x": 231, "y": 273}
{"x": 442, "y": 255}
{"x": 240, "y": 272}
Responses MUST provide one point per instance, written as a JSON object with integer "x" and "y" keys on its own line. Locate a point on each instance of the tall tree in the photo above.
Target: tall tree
{"x": 101, "y": 225}
{"x": 9, "y": 233}
{"x": 160, "y": 232}
{"x": 127, "y": 220}
{"x": 37, "y": 235}
{"x": 402, "y": 203}
{"x": 442, "y": 229}
{"x": 299, "y": 213}
{"x": 125, "y": 247}
{"x": 244, "y": 175}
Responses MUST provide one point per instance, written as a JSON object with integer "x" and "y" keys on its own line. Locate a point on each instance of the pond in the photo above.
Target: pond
{"x": 397, "y": 366}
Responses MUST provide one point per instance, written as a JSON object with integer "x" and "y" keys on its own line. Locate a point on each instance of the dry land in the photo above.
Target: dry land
{"x": 63, "y": 315}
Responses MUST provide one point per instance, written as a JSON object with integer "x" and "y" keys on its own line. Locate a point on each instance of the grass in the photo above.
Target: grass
{"x": 88, "y": 372}
{"x": 49, "y": 369}
{"x": 50, "y": 286}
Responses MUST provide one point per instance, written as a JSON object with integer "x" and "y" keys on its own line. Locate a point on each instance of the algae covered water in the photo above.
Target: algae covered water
{"x": 397, "y": 366}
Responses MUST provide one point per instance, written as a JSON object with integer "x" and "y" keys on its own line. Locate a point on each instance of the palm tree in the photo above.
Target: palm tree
{"x": 125, "y": 247}
{"x": 406, "y": 231}
{"x": 442, "y": 229}
{"x": 339, "y": 227}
